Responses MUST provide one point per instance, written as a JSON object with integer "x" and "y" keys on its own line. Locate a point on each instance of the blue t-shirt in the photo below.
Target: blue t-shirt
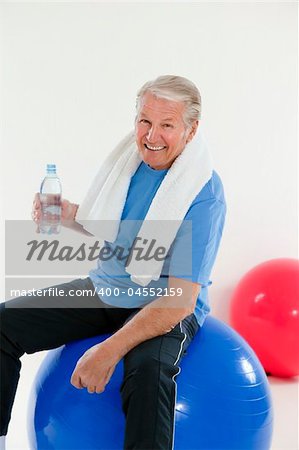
{"x": 191, "y": 255}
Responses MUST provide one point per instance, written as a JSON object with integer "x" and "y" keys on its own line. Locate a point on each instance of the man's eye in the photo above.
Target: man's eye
{"x": 167, "y": 125}
{"x": 144, "y": 121}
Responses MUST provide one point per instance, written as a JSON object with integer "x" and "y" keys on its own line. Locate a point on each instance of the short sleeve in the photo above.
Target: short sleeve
{"x": 195, "y": 248}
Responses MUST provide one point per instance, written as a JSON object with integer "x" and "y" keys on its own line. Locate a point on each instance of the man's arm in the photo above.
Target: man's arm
{"x": 96, "y": 366}
{"x": 158, "y": 317}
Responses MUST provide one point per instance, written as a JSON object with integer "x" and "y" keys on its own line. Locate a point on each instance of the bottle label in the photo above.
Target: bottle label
{"x": 51, "y": 213}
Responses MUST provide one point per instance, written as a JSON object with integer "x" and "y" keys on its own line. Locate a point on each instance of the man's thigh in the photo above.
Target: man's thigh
{"x": 48, "y": 321}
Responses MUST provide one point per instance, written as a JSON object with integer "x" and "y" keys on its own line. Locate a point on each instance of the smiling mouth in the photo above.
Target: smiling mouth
{"x": 154, "y": 149}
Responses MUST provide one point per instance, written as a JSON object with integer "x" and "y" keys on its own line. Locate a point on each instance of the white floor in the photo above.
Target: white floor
{"x": 285, "y": 398}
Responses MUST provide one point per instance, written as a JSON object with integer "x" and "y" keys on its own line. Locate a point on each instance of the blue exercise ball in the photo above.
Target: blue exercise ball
{"x": 223, "y": 399}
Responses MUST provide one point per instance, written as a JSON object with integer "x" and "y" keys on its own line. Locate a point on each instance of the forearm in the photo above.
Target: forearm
{"x": 94, "y": 369}
{"x": 155, "y": 319}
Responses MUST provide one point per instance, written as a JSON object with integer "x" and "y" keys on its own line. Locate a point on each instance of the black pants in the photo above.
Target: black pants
{"x": 30, "y": 324}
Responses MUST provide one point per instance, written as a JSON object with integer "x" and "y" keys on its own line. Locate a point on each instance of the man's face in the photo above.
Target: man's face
{"x": 161, "y": 134}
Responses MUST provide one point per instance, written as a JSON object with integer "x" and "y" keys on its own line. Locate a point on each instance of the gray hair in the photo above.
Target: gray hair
{"x": 177, "y": 89}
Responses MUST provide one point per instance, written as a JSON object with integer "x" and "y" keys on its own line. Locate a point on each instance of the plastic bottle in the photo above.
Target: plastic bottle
{"x": 50, "y": 198}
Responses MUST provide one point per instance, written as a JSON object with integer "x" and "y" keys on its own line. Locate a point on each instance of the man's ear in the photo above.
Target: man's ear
{"x": 192, "y": 131}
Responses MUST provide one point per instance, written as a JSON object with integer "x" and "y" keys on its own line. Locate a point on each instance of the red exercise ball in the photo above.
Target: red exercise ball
{"x": 265, "y": 311}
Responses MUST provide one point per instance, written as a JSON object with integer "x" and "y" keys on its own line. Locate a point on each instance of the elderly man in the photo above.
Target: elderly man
{"x": 150, "y": 332}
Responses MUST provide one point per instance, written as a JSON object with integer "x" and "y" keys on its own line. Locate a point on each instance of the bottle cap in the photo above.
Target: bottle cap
{"x": 51, "y": 167}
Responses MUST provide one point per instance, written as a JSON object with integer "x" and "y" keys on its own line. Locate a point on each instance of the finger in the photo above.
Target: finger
{"x": 91, "y": 389}
{"x": 76, "y": 381}
{"x": 36, "y": 206}
{"x": 36, "y": 215}
{"x": 99, "y": 389}
{"x": 36, "y": 201}
{"x": 109, "y": 374}
{"x": 101, "y": 386}
{"x": 37, "y": 220}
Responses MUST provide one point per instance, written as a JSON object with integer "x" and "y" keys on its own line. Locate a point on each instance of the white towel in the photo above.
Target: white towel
{"x": 106, "y": 198}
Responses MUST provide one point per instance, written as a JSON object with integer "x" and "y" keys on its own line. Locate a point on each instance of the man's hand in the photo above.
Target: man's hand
{"x": 95, "y": 368}
{"x": 68, "y": 211}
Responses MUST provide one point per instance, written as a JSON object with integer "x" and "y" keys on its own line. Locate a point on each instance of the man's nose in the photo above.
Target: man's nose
{"x": 152, "y": 134}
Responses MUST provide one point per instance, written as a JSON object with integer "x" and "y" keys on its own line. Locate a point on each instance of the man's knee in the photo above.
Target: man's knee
{"x": 141, "y": 366}
{"x": 145, "y": 371}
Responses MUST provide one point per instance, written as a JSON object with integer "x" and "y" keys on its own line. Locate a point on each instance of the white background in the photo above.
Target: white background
{"x": 70, "y": 72}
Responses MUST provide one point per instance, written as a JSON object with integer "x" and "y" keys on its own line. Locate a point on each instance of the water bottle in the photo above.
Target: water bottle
{"x": 50, "y": 198}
